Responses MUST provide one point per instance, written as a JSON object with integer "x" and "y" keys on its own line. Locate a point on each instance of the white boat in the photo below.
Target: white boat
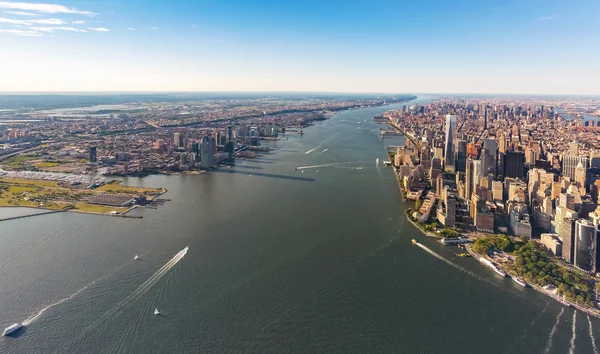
{"x": 136, "y": 257}
{"x": 12, "y": 328}
{"x": 519, "y": 281}
{"x": 156, "y": 312}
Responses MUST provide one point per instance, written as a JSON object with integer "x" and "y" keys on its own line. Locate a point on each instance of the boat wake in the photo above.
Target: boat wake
{"x": 38, "y": 314}
{"x": 141, "y": 290}
{"x": 321, "y": 144}
{"x": 436, "y": 255}
{"x": 323, "y": 165}
{"x": 592, "y": 335}
{"x": 573, "y": 334}
{"x": 553, "y": 330}
{"x": 319, "y": 153}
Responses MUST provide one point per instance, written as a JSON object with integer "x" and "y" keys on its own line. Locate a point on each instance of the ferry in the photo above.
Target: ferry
{"x": 415, "y": 242}
{"x": 519, "y": 281}
{"x": 491, "y": 265}
{"x": 12, "y": 328}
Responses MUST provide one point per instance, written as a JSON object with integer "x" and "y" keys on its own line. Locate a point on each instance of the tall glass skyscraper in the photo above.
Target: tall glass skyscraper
{"x": 586, "y": 245}
{"x": 449, "y": 148}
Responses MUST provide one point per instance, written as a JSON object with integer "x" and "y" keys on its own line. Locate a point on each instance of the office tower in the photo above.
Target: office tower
{"x": 196, "y": 150}
{"x": 502, "y": 144}
{"x": 469, "y": 180}
{"x": 488, "y": 157}
{"x": 569, "y": 164}
{"x": 461, "y": 155}
{"x": 207, "y": 152}
{"x": 567, "y": 234}
{"x": 449, "y": 161}
{"x": 229, "y": 133}
{"x": 586, "y": 245}
{"x": 93, "y": 151}
{"x": 580, "y": 174}
{"x": 477, "y": 174}
{"x": 177, "y": 139}
{"x": 513, "y": 164}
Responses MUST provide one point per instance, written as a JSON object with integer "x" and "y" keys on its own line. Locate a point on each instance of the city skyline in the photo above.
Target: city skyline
{"x": 358, "y": 46}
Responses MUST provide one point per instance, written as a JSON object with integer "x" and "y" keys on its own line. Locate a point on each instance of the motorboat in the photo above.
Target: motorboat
{"x": 12, "y": 328}
{"x": 156, "y": 312}
{"x": 136, "y": 257}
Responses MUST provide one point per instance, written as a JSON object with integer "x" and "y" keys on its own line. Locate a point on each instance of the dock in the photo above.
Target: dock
{"x": 30, "y": 215}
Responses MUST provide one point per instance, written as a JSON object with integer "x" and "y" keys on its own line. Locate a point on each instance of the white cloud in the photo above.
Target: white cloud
{"x": 21, "y": 13}
{"x": 52, "y": 29}
{"x": 21, "y": 32}
{"x": 98, "y": 29}
{"x": 29, "y": 22}
{"x": 131, "y": 29}
{"x": 45, "y": 8}
{"x": 78, "y": 22}
{"x": 154, "y": 28}
{"x": 545, "y": 18}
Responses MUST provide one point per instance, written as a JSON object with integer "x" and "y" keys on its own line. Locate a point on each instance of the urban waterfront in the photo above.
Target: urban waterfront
{"x": 317, "y": 259}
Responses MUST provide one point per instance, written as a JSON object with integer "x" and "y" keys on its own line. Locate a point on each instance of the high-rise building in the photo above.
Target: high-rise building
{"x": 449, "y": 147}
{"x": 477, "y": 174}
{"x": 586, "y": 245}
{"x": 469, "y": 180}
{"x": 488, "y": 157}
{"x": 207, "y": 152}
{"x": 513, "y": 164}
{"x": 178, "y": 139}
{"x": 567, "y": 234}
{"x": 93, "y": 152}
{"x": 461, "y": 155}
{"x": 569, "y": 165}
{"x": 580, "y": 177}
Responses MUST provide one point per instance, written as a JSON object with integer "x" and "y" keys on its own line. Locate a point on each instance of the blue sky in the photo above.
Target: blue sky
{"x": 328, "y": 45}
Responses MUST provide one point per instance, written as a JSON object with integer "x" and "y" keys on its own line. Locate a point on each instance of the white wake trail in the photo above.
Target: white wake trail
{"x": 573, "y": 334}
{"x": 452, "y": 263}
{"x": 553, "y": 330}
{"x": 141, "y": 290}
{"x": 320, "y": 152}
{"x": 592, "y": 335}
{"x": 323, "y": 165}
{"x": 37, "y": 315}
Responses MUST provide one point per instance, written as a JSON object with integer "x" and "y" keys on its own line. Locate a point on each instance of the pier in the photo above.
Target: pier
{"x": 30, "y": 215}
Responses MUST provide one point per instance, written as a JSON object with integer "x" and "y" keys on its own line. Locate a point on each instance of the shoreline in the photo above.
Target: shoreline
{"x": 590, "y": 311}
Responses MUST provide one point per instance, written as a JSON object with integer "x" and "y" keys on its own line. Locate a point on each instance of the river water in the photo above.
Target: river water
{"x": 317, "y": 259}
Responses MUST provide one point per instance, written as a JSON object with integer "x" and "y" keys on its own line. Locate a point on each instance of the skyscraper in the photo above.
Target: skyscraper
{"x": 488, "y": 157}
{"x": 177, "y": 139}
{"x": 93, "y": 151}
{"x": 586, "y": 245}
{"x": 569, "y": 164}
{"x": 449, "y": 147}
{"x": 469, "y": 180}
{"x": 513, "y": 164}
{"x": 461, "y": 155}
{"x": 207, "y": 152}
{"x": 476, "y": 174}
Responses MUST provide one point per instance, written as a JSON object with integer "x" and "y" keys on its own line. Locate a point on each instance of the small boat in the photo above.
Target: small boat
{"x": 464, "y": 255}
{"x": 12, "y": 328}
{"x": 415, "y": 242}
{"x": 136, "y": 257}
{"x": 156, "y": 312}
